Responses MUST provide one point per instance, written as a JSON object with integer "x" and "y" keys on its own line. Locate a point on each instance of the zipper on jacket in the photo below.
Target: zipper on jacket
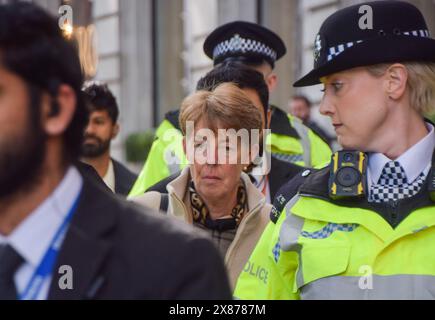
{"x": 239, "y": 231}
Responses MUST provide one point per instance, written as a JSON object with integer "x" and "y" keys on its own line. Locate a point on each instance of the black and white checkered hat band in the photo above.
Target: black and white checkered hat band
{"x": 337, "y": 50}
{"x": 239, "y": 44}
{"x": 418, "y": 33}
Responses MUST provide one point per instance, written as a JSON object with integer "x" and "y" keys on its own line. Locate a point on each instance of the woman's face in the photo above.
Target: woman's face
{"x": 214, "y": 177}
{"x": 357, "y": 104}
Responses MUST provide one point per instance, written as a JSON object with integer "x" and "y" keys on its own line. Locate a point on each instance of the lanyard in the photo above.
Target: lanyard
{"x": 263, "y": 184}
{"x": 46, "y": 266}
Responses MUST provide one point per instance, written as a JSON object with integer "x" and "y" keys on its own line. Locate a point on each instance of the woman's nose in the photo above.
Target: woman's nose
{"x": 326, "y": 106}
{"x": 212, "y": 155}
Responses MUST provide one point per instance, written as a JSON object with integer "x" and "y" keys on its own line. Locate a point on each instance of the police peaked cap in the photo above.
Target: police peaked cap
{"x": 240, "y": 39}
{"x": 346, "y": 40}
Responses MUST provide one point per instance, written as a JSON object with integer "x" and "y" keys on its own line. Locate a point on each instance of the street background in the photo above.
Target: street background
{"x": 150, "y": 51}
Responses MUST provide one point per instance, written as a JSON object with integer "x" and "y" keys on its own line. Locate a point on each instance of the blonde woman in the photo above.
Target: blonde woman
{"x": 379, "y": 82}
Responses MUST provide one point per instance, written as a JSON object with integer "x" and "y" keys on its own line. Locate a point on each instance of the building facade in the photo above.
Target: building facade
{"x": 150, "y": 51}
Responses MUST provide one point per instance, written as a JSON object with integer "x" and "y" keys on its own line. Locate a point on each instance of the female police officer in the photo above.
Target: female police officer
{"x": 379, "y": 80}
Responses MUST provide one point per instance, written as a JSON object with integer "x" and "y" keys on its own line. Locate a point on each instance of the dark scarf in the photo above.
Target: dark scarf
{"x": 201, "y": 213}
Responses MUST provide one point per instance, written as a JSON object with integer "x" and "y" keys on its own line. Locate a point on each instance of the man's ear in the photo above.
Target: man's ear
{"x": 115, "y": 131}
{"x": 272, "y": 82}
{"x": 396, "y": 81}
{"x": 56, "y": 123}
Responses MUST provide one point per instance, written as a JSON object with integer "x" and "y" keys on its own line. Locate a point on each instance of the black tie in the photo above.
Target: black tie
{"x": 10, "y": 260}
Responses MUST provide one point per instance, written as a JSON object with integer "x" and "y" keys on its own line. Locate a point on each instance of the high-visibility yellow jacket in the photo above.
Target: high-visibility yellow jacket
{"x": 165, "y": 158}
{"x": 289, "y": 141}
{"x": 317, "y": 248}
{"x": 292, "y": 141}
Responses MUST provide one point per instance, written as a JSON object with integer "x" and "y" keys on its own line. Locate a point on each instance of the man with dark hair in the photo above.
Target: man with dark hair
{"x": 300, "y": 107}
{"x": 102, "y": 128}
{"x": 62, "y": 235}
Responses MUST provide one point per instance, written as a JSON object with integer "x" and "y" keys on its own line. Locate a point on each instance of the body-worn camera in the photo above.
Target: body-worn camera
{"x": 348, "y": 175}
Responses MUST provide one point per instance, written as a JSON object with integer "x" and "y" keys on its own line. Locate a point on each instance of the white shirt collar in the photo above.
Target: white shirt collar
{"x": 33, "y": 236}
{"x": 414, "y": 161}
{"x": 109, "y": 178}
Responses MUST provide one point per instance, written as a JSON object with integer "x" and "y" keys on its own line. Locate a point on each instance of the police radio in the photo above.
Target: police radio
{"x": 347, "y": 175}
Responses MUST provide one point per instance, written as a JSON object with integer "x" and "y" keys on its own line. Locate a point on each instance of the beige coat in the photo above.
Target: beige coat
{"x": 248, "y": 232}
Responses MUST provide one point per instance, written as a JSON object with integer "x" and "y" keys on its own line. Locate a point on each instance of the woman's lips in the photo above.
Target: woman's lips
{"x": 211, "y": 178}
{"x": 337, "y": 126}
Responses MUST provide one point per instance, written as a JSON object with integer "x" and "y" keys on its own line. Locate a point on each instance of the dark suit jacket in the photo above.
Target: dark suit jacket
{"x": 124, "y": 178}
{"x": 117, "y": 250}
{"x": 90, "y": 172}
{"x": 280, "y": 173}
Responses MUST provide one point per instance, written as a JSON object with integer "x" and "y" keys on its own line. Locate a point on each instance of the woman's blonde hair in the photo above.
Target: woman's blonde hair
{"x": 226, "y": 106}
{"x": 421, "y": 84}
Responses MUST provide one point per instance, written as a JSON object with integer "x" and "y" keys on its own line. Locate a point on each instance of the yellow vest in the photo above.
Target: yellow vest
{"x": 323, "y": 250}
{"x": 166, "y": 157}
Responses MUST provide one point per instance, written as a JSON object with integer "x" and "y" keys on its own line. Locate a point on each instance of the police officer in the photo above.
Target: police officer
{"x": 258, "y": 48}
{"x": 379, "y": 81}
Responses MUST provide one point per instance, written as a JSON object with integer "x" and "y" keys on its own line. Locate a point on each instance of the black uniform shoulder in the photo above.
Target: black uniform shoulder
{"x": 280, "y": 124}
{"x": 161, "y": 185}
{"x": 172, "y": 117}
{"x": 311, "y": 181}
{"x": 280, "y": 173}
